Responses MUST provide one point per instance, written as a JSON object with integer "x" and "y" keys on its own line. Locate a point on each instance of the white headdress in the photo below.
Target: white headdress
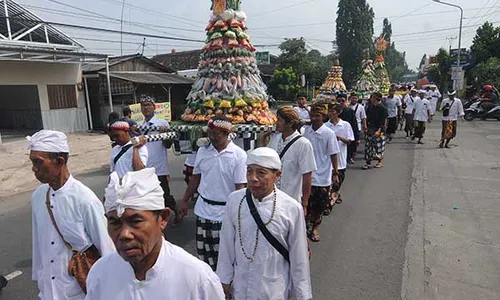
{"x": 264, "y": 157}
{"x": 48, "y": 141}
{"x": 138, "y": 190}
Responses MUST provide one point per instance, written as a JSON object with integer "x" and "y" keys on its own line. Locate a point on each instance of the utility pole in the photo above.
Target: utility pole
{"x": 450, "y": 40}
{"x": 143, "y": 45}
{"x": 121, "y": 29}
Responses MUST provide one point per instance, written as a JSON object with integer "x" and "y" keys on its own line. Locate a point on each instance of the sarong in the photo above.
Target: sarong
{"x": 318, "y": 203}
{"x": 419, "y": 129}
{"x": 335, "y": 190}
{"x": 207, "y": 241}
{"x": 449, "y": 130}
{"x": 374, "y": 147}
{"x": 409, "y": 123}
{"x": 392, "y": 125}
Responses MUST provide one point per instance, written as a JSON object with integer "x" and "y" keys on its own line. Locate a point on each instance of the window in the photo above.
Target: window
{"x": 62, "y": 96}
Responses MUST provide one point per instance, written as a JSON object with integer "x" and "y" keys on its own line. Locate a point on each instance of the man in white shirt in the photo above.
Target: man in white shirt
{"x": 296, "y": 155}
{"x": 302, "y": 108}
{"x": 326, "y": 150}
{"x": 434, "y": 96}
{"x": 146, "y": 266}
{"x": 250, "y": 267}
{"x": 77, "y": 213}
{"x": 452, "y": 109}
{"x": 360, "y": 112}
{"x": 219, "y": 170}
{"x": 157, "y": 152}
{"x": 345, "y": 137}
{"x": 125, "y": 156}
{"x": 393, "y": 105}
{"x": 422, "y": 112}
{"x": 408, "y": 104}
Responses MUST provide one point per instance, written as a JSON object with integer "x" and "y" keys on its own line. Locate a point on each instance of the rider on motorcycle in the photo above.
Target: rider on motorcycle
{"x": 489, "y": 98}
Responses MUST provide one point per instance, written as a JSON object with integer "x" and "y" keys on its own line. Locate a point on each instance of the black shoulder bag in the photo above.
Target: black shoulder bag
{"x": 119, "y": 155}
{"x": 288, "y": 146}
{"x": 269, "y": 237}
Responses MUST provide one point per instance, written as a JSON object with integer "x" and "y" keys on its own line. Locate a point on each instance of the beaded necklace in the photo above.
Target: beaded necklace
{"x": 252, "y": 257}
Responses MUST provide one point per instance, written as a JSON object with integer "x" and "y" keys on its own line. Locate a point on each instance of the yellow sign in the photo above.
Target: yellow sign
{"x": 162, "y": 111}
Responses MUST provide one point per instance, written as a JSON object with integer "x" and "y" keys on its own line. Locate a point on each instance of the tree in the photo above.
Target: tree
{"x": 313, "y": 65}
{"x": 354, "y": 35}
{"x": 487, "y": 72}
{"x": 284, "y": 84}
{"x": 395, "y": 61}
{"x": 486, "y": 43}
{"x": 440, "y": 72}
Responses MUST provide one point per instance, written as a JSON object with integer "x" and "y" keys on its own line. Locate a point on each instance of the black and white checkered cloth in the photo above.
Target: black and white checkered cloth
{"x": 145, "y": 128}
{"x": 161, "y": 137}
{"x": 207, "y": 241}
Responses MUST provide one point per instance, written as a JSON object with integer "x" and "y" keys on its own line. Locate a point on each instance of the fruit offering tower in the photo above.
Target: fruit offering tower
{"x": 367, "y": 81}
{"x": 229, "y": 82}
{"x": 381, "y": 73}
{"x": 334, "y": 83}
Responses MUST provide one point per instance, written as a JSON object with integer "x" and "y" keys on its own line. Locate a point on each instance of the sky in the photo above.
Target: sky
{"x": 419, "y": 26}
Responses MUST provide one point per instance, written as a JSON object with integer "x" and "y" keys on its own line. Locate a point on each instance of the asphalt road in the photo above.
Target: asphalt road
{"x": 362, "y": 250}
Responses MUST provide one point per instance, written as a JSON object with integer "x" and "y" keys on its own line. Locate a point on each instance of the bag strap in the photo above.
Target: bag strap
{"x": 288, "y": 146}
{"x": 269, "y": 237}
{"x": 51, "y": 214}
{"x": 124, "y": 149}
{"x": 356, "y": 110}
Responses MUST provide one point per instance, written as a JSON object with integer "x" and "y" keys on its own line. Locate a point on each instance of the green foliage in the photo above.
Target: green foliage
{"x": 440, "y": 73}
{"x": 354, "y": 36}
{"x": 284, "y": 84}
{"x": 486, "y": 43}
{"x": 487, "y": 72}
{"x": 395, "y": 61}
{"x": 312, "y": 64}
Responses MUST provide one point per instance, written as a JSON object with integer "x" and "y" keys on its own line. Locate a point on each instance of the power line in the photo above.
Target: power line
{"x": 106, "y": 30}
{"x": 281, "y": 8}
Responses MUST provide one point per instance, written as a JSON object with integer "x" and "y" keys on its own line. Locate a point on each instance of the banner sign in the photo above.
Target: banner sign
{"x": 162, "y": 111}
{"x": 263, "y": 58}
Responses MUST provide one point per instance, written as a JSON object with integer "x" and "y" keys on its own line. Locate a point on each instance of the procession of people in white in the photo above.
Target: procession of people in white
{"x": 256, "y": 212}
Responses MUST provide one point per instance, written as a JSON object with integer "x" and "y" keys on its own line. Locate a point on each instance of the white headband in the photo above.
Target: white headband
{"x": 139, "y": 190}
{"x": 264, "y": 157}
{"x": 48, "y": 141}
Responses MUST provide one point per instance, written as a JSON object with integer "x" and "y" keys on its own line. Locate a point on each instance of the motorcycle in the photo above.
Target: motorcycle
{"x": 469, "y": 102}
{"x": 476, "y": 111}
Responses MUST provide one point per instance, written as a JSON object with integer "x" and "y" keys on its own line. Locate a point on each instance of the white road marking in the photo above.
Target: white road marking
{"x": 13, "y": 275}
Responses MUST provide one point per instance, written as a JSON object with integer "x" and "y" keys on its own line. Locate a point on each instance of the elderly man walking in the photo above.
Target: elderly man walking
{"x": 68, "y": 220}
{"x": 146, "y": 266}
{"x": 219, "y": 170}
{"x": 263, "y": 250}
{"x": 452, "y": 109}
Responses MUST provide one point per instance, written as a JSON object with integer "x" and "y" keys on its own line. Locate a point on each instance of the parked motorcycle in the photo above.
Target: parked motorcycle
{"x": 476, "y": 111}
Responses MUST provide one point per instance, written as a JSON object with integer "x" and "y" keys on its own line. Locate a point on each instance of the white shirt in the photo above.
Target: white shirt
{"x": 360, "y": 112}
{"x": 422, "y": 109}
{"x": 297, "y": 161}
{"x": 190, "y": 160}
{"x": 269, "y": 276}
{"x": 409, "y": 101}
{"x": 220, "y": 172}
{"x": 158, "y": 158}
{"x": 434, "y": 95}
{"x": 324, "y": 142}
{"x": 342, "y": 129}
{"x": 456, "y": 110}
{"x": 175, "y": 275}
{"x": 79, "y": 215}
{"x": 392, "y": 105}
{"x": 124, "y": 164}
{"x": 303, "y": 112}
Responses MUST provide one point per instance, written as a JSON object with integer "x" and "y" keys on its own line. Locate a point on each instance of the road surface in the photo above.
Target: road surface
{"x": 426, "y": 226}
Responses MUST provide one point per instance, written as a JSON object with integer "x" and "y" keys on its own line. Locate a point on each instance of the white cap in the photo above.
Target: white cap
{"x": 264, "y": 157}
{"x": 452, "y": 93}
{"x": 139, "y": 190}
{"x": 48, "y": 141}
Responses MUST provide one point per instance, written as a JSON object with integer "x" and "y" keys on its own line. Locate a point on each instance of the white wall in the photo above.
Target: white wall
{"x": 42, "y": 74}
